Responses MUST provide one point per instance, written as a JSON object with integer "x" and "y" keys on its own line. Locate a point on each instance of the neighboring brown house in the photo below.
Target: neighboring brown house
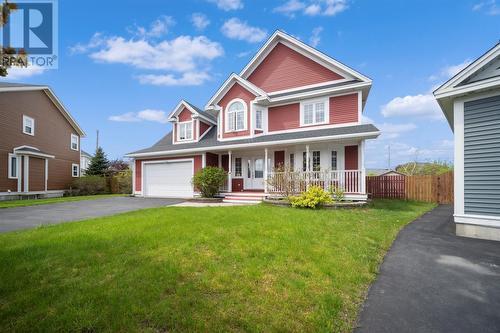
{"x": 39, "y": 142}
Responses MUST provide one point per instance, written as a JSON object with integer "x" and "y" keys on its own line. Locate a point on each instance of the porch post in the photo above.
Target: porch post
{"x": 229, "y": 172}
{"x": 220, "y": 160}
{"x": 26, "y": 173}
{"x": 19, "y": 175}
{"x": 265, "y": 170}
{"x": 362, "y": 166}
{"x": 308, "y": 167}
{"x": 204, "y": 160}
{"x": 47, "y": 172}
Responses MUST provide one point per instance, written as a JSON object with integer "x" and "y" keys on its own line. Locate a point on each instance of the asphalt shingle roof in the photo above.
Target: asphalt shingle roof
{"x": 210, "y": 139}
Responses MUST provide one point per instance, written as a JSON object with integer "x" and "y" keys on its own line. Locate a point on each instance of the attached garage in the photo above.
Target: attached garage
{"x": 168, "y": 178}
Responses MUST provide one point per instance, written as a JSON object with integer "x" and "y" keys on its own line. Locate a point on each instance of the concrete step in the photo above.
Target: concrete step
{"x": 253, "y": 202}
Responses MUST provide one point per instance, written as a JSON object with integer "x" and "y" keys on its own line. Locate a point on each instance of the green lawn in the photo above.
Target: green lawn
{"x": 33, "y": 202}
{"x": 214, "y": 269}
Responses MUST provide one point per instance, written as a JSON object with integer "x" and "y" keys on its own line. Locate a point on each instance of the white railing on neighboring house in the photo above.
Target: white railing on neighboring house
{"x": 349, "y": 181}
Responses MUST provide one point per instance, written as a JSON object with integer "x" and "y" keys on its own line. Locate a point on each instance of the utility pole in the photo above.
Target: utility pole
{"x": 97, "y": 141}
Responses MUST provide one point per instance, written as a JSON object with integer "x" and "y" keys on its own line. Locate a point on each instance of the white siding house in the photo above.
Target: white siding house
{"x": 471, "y": 102}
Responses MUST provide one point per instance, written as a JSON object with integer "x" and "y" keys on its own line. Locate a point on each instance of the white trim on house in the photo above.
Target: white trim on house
{"x": 314, "y": 102}
{"x": 228, "y": 84}
{"x": 303, "y": 49}
{"x": 178, "y": 131}
{"x": 73, "y": 165}
{"x": 31, "y": 127}
{"x": 481, "y": 220}
{"x": 309, "y": 86}
{"x": 10, "y": 166}
{"x": 367, "y": 135}
{"x": 183, "y": 104}
{"x": 26, "y": 175}
{"x": 226, "y": 116}
{"x": 73, "y": 136}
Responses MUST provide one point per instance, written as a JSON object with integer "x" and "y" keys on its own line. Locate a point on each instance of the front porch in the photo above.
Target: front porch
{"x": 279, "y": 170}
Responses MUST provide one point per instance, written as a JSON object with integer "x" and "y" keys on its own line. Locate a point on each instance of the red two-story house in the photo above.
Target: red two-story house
{"x": 291, "y": 107}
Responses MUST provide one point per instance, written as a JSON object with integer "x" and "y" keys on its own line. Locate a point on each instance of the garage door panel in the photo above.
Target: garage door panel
{"x": 168, "y": 179}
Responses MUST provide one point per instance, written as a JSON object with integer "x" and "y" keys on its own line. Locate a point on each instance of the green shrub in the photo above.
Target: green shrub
{"x": 90, "y": 185}
{"x": 314, "y": 197}
{"x": 121, "y": 182}
{"x": 209, "y": 180}
{"x": 337, "y": 193}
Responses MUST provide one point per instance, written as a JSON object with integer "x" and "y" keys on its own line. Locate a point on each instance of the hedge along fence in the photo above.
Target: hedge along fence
{"x": 119, "y": 183}
{"x": 435, "y": 188}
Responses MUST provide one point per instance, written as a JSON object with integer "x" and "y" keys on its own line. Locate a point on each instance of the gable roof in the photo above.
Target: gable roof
{"x": 304, "y": 49}
{"x": 165, "y": 146}
{"x": 460, "y": 84}
{"x": 209, "y": 117}
{"x": 231, "y": 80}
{"x": 8, "y": 86}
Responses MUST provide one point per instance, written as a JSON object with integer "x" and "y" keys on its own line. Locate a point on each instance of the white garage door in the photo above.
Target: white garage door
{"x": 168, "y": 179}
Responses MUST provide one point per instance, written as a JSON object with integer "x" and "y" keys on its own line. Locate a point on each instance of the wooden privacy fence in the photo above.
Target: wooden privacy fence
{"x": 436, "y": 188}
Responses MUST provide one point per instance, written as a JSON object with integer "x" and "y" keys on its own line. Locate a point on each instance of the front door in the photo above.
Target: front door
{"x": 254, "y": 178}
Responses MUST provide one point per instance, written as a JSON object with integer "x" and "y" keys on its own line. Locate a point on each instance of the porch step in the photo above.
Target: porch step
{"x": 244, "y": 197}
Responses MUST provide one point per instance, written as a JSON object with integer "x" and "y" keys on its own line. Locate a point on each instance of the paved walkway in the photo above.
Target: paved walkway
{"x": 434, "y": 281}
{"x": 33, "y": 216}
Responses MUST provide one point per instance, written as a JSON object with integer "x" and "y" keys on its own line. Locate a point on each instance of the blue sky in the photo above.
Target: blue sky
{"x": 124, "y": 65}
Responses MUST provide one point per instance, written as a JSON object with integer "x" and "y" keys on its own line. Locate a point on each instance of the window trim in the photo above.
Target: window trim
{"x": 179, "y": 130}
{"x": 261, "y": 111}
{"x": 319, "y": 159}
{"x": 73, "y": 165}
{"x": 245, "y": 116}
{"x": 326, "y": 103}
{"x": 73, "y": 135}
{"x": 291, "y": 162}
{"x": 336, "y": 160}
{"x": 241, "y": 167}
{"x": 25, "y": 117}
{"x": 10, "y": 166}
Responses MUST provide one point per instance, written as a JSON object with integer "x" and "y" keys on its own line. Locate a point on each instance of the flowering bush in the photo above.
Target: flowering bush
{"x": 312, "y": 198}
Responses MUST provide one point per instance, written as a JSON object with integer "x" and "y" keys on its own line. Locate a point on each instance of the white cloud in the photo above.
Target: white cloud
{"x": 312, "y": 7}
{"x": 392, "y": 131}
{"x": 95, "y": 41}
{"x": 157, "y": 28}
{"x": 449, "y": 71}
{"x": 489, "y": 7}
{"x": 421, "y": 106}
{"x": 315, "y": 36}
{"x": 186, "y": 79}
{"x": 228, "y": 5}
{"x": 236, "y": 29}
{"x": 20, "y": 73}
{"x": 158, "y": 116}
{"x": 200, "y": 21}
{"x": 243, "y": 54}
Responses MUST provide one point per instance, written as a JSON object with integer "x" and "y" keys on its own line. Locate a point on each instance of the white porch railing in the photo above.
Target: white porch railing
{"x": 350, "y": 181}
{"x": 224, "y": 187}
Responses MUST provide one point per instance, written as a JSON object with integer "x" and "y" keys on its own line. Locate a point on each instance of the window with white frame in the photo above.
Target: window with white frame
{"x": 316, "y": 162}
{"x": 12, "y": 168}
{"x": 259, "y": 116}
{"x": 334, "y": 160}
{"x": 314, "y": 112}
{"x": 74, "y": 142}
{"x": 304, "y": 161}
{"x": 236, "y": 117}
{"x": 75, "y": 170}
{"x": 292, "y": 162}
{"x": 237, "y": 167}
{"x": 28, "y": 125}
{"x": 185, "y": 131}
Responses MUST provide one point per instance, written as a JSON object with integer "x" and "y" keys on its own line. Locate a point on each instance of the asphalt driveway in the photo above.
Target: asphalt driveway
{"x": 33, "y": 216}
{"x": 434, "y": 281}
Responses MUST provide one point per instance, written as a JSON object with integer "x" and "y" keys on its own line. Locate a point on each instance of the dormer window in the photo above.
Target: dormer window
{"x": 236, "y": 116}
{"x": 185, "y": 131}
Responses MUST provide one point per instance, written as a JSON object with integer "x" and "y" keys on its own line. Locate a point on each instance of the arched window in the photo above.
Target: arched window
{"x": 236, "y": 112}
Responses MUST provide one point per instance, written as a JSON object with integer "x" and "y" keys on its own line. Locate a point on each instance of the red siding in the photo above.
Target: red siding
{"x": 351, "y": 157}
{"x": 203, "y": 127}
{"x": 284, "y": 117}
{"x": 344, "y": 109}
{"x": 138, "y": 167}
{"x": 284, "y": 68}
{"x": 236, "y": 91}
{"x": 212, "y": 160}
{"x": 279, "y": 158}
{"x": 185, "y": 115}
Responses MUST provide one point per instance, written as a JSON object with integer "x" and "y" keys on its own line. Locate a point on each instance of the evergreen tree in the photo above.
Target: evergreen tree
{"x": 99, "y": 164}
